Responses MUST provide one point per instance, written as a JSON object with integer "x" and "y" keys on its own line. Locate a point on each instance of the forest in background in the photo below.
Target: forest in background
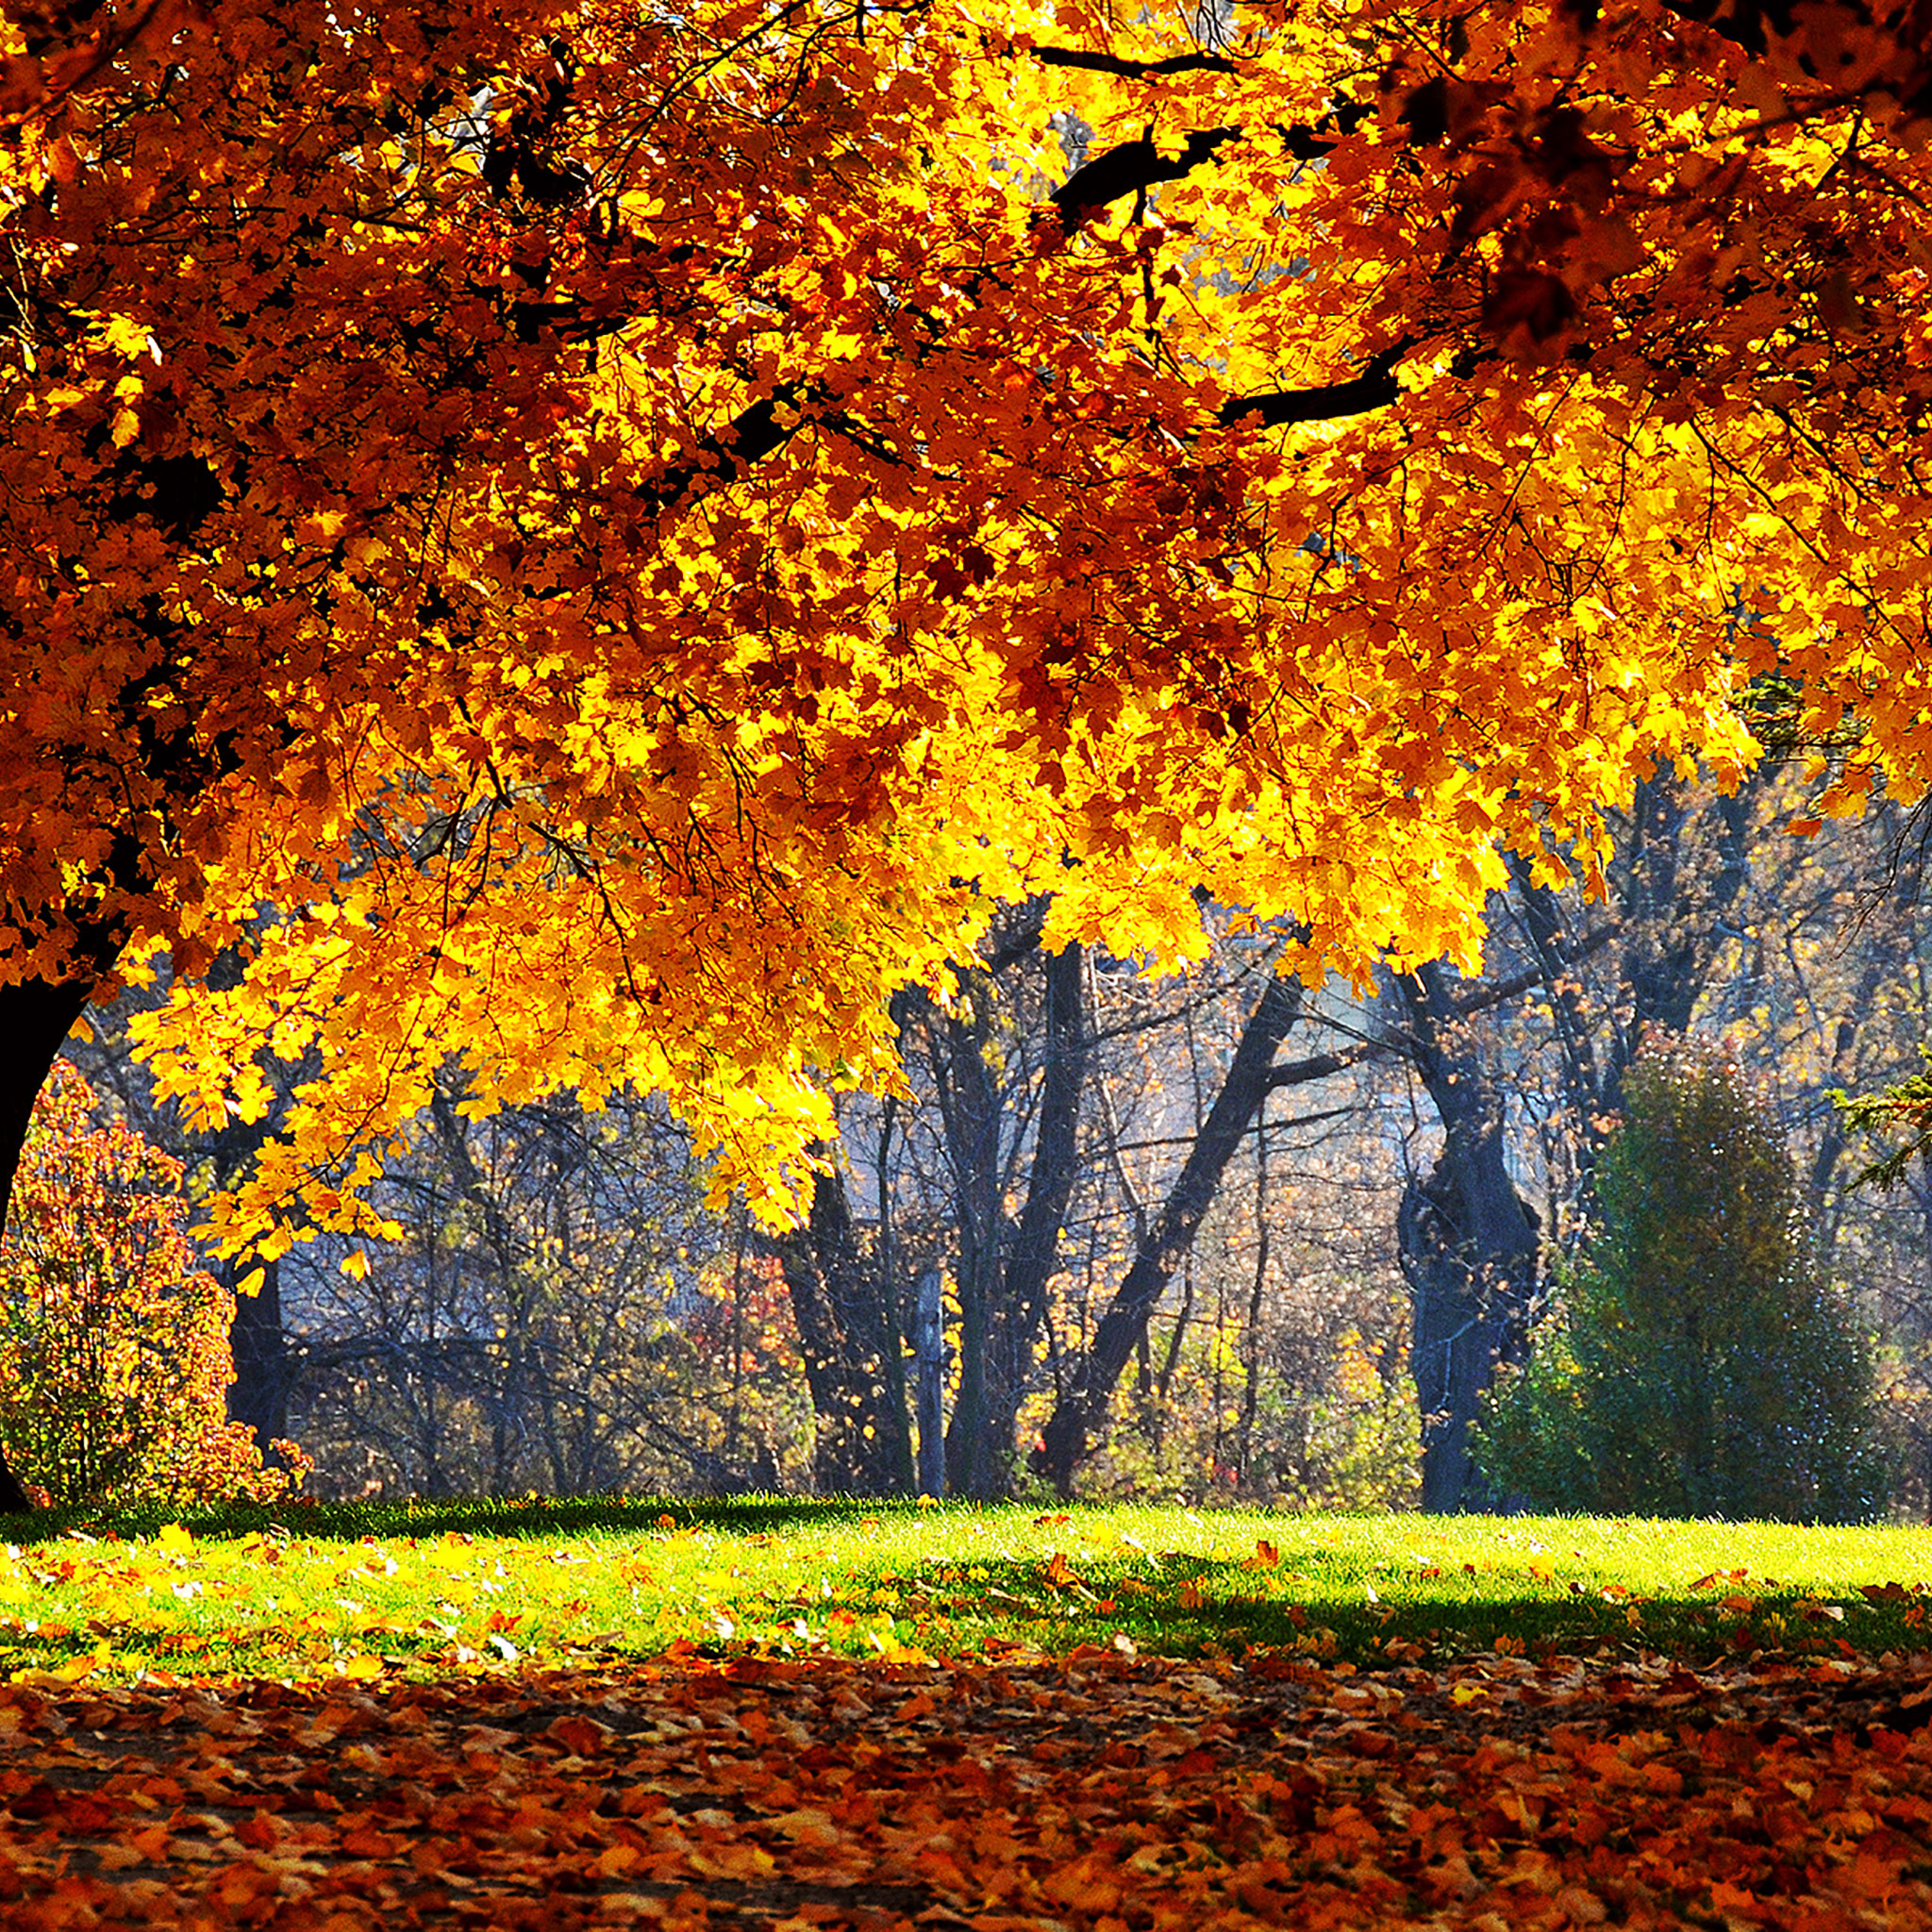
{"x": 1210, "y": 1235}
{"x": 491, "y": 590}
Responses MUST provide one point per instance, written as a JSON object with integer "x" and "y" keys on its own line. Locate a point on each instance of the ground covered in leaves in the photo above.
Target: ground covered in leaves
{"x": 1022, "y": 1795}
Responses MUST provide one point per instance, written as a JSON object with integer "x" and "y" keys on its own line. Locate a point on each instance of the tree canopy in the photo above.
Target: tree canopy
{"x": 597, "y": 541}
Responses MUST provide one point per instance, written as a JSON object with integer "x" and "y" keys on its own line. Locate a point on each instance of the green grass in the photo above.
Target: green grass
{"x": 426, "y": 1587}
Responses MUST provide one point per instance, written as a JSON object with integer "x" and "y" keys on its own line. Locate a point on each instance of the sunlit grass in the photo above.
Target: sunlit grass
{"x": 433, "y": 1587}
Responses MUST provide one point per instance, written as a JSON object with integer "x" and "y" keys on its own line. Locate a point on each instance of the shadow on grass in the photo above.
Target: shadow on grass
{"x": 524, "y": 1517}
{"x": 1323, "y": 1605}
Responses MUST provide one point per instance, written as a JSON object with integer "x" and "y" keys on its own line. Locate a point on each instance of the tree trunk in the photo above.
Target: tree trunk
{"x": 969, "y": 1112}
{"x": 1469, "y": 1246}
{"x": 863, "y": 1448}
{"x": 1252, "y": 1074}
{"x": 35, "y": 1017}
{"x": 929, "y": 1344}
{"x": 1005, "y": 1266}
{"x": 258, "y": 1395}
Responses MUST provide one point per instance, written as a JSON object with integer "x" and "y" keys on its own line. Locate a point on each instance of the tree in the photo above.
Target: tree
{"x": 1474, "y": 1249}
{"x": 849, "y": 1328}
{"x": 559, "y": 1314}
{"x": 1008, "y": 1260}
{"x": 1698, "y": 1362}
{"x": 114, "y": 1361}
{"x": 1087, "y": 1384}
{"x": 630, "y": 534}
{"x": 1469, "y": 1241}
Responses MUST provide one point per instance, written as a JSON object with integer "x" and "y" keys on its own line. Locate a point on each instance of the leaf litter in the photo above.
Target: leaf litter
{"x": 1095, "y": 1792}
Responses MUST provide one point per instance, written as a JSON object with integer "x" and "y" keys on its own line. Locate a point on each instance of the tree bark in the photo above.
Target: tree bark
{"x": 258, "y": 1395}
{"x": 36, "y": 1015}
{"x": 862, "y": 1448}
{"x": 1252, "y": 1075}
{"x": 1007, "y": 1265}
{"x": 929, "y": 1344}
{"x": 1468, "y": 1244}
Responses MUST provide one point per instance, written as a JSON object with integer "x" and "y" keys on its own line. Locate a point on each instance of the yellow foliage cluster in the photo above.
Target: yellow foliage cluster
{"x": 597, "y": 542}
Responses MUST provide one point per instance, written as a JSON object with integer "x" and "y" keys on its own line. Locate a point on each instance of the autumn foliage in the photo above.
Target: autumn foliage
{"x": 597, "y": 543}
{"x": 993, "y": 1794}
{"x": 114, "y": 1359}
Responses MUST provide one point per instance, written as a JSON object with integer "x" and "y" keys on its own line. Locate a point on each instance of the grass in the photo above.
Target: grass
{"x": 428, "y": 1587}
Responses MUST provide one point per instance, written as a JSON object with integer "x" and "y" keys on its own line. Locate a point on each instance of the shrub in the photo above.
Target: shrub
{"x": 1696, "y": 1362}
{"x": 114, "y": 1353}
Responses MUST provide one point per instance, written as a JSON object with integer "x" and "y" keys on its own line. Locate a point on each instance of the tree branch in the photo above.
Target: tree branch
{"x": 1136, "y": 165}
{"x": 1376, "y": 388}
{"x": 1298, "y": 1073}
{"x": 1128, "y": 169}
{"x": 1135, "y": 70}
{"x": 753, "y": 434}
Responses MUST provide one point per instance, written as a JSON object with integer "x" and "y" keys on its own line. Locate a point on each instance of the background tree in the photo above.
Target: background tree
{"x": 114, "y": 1359}
{"x": 1697, "y": 1363}
{"x": 1470, "y": 1243}
{"x": 1010, "y": 1239}
{"x": 1599, "y": 973}
{"x": 561, "y": 1313}
{"x": 850, "y": 1317}
{"x": 1087, "y": 1382}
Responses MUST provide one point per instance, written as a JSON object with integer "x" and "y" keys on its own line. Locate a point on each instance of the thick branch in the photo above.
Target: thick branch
{"x": 753, "y": 434}
{"x": 1376, "y": 388}
{"x": 1140, "y": 164}
{"x": 1135, "y": 70}
{"x": 1128, "y": 169}
{"x": 1299, "y": 1072}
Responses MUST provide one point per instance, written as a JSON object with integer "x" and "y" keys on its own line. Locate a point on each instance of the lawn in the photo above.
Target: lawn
{"x": 423, "y": 1588}
{"x": 783, "y": 1717}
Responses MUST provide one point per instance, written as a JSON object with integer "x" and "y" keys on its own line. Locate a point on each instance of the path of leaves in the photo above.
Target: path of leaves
{"x": 1096, "y": 1792}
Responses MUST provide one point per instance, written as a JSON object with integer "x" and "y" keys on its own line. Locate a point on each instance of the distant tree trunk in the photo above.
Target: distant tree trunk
{"x": 1258, "y": 1288}
{"x": 258, "y": 1395}
{"x": 863, "y": 1447}
{"x": 1469, "y": 1243}
{"x": 36, "y": 1015}
{"x": 970, "y": 1111}
{"x": 1252, "y": 1074}
{"x": 929, "y": 1344}
{"x": 1006, "y": 1265}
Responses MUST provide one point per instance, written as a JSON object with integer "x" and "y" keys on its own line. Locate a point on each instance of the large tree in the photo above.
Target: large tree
{"x": 597, "y": 542}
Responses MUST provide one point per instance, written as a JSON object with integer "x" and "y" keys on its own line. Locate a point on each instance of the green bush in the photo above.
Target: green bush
{"x": 1695, "y": 1361}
